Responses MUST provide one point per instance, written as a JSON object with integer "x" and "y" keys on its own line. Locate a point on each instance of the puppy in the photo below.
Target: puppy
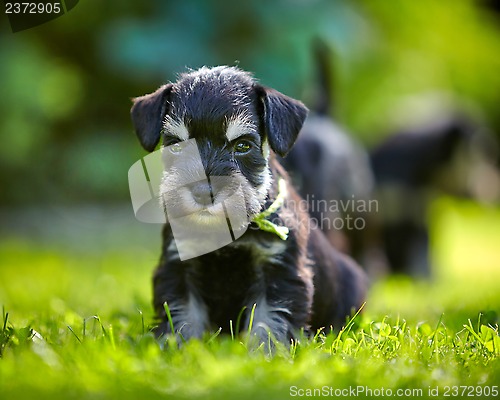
{"x": 331, "y": 169}
{"x": 224, "y": 121}
{"x": 449, "y": 153}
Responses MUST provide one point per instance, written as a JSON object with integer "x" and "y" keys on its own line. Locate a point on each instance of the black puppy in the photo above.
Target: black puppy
{"x": 438, "y": 155}
{"x": 332, "y": 170}
{"x": 222, "y": 119}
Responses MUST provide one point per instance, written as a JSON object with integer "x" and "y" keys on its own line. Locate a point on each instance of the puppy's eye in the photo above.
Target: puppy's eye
{"x": 242, "y": 146}
{"x": 175, "y": 148}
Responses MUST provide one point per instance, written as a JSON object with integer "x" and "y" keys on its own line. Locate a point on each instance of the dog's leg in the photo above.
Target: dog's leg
{"x": 281, "y": 306}
{"x": 269, "y": 321}
{"x": 188, "y": 311}
{"x": 189, "y": 317}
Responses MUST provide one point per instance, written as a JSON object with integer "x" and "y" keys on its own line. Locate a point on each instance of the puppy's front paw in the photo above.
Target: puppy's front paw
{"x": 269, "y": 324}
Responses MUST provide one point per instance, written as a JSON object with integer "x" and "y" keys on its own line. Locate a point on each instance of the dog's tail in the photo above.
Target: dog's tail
{"x": 324, "y": 59}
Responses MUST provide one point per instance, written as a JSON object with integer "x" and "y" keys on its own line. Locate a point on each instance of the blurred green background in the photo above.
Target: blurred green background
{"x": 66, "y": 136}
{"x": 70, "y": 247}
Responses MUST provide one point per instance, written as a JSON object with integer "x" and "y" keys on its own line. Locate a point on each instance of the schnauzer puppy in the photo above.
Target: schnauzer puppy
{"x": 439, "y": 154}
{"x": 332, "y": 170}
{"x": 220, "y": 131}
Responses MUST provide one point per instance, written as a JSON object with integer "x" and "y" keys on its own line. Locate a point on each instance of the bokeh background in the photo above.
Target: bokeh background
{"x": 67, "y": 141}
{"x": 76, "y": 266}
{"x": 66, "y": 85}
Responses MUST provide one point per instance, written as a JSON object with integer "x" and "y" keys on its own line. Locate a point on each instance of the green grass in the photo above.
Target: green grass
{"x": 77, "y": 327}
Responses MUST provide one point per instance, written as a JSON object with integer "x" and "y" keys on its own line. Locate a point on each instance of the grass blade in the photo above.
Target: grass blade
{"x": 231, "y": 329}
{"x": 73, "y": 332}
{"x": 252, "y": 314}
{"x": 169, "y": 317}
{"x": 212, "y": 338}
{"x": 238, "y": 320}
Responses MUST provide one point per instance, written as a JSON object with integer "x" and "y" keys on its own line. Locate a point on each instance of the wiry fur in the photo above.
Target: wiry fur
{"x": 301, "y": 282}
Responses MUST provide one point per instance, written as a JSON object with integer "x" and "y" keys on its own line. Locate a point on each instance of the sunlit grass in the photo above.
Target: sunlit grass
{"x": 467, "y": 239}
{"x": 78, "y": 327}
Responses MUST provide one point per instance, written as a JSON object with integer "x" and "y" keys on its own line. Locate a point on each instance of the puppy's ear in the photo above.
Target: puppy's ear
{"x": 147, "y": 116}
{"x": 283, "y": 118}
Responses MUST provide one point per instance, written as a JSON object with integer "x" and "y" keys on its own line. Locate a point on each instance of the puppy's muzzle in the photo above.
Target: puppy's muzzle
{"x": 202, "y": 193}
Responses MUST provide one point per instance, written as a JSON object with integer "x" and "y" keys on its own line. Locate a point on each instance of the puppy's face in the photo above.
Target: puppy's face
{"x": 216, "y": 127}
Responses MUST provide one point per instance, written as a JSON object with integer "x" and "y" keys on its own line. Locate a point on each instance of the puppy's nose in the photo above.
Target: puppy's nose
{"x": 202, "y": 193}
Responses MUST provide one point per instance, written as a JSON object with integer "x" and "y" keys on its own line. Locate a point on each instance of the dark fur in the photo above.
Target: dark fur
{"x": 409, "y": 166}
{"x": 328, "y": 165}
{"x": 306, "y": 282}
